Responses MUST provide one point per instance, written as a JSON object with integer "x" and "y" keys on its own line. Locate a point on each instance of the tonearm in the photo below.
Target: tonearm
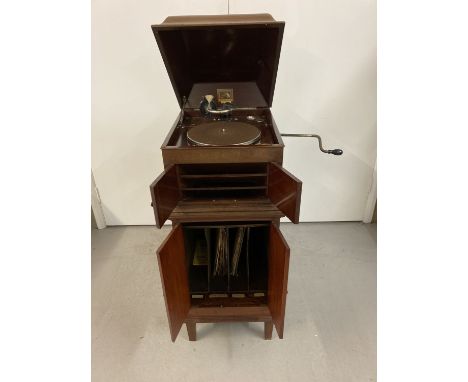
{"x": 208, "y": 107}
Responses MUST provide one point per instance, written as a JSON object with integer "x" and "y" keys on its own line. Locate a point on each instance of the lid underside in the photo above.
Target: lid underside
{"x": 238, "y": 49}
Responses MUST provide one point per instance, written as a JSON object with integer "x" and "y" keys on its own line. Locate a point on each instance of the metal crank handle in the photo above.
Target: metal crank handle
{"x": 334, "y": 151}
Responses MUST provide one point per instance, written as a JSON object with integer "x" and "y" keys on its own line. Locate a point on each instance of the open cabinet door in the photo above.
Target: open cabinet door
{"x": 165, "y": 194}
{"x": 278, "y": 268}
{"x": 174, "y": 279}
{"x": 284, "y": 190}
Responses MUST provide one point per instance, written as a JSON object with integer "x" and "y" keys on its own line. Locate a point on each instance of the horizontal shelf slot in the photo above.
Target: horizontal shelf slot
{"x": 222, "y": 169}
{"x": 223, "y": 188}
{"x": 219, "y": 182}
{"x": 215, "y": 176}
{"x": 228, "y": 193}
{"x": 226, "y": 225}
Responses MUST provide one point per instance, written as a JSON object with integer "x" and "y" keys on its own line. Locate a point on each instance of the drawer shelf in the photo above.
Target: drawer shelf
{"x": 206, "y": 210}
{"x": 229, "y": 192}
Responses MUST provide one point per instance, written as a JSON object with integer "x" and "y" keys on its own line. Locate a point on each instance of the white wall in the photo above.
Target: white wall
{"x": 326, "y": 84}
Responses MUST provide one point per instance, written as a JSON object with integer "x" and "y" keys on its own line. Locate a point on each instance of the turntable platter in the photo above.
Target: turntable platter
{"x": 223, "y": 133}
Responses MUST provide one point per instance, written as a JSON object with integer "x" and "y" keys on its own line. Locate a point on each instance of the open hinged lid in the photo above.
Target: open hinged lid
{"x": 206, "y": 54}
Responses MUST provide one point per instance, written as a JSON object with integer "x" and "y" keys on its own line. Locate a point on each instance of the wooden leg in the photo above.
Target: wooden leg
{"x": 268, "y": 329}
{"x": 191, "y": 330}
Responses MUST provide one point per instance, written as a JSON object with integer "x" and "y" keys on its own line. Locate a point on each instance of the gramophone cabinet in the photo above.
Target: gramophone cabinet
{"x": 237, "y": 191}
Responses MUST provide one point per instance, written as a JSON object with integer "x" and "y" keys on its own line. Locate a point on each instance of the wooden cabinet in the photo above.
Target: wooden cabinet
{"x": 256, "y": 293}
{"x": 225, "y": 258}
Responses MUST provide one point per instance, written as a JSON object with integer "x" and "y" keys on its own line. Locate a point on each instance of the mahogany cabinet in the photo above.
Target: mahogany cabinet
{"x": 231, "y": 190}
{"x": 257, "y": 293}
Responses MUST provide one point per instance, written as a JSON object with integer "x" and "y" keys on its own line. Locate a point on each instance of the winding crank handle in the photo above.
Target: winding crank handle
{"x": 334, "y": 151}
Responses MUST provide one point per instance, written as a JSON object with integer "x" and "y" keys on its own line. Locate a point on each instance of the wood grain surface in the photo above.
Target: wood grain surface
{"x": 284, "y": 190}
{"x": 171, "y": 259}
{"x": 278, "y": 268}
{"x": 165, "y": 194}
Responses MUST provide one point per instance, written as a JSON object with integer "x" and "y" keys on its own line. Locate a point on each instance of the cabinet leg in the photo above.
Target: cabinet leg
{"x": 268, "y": 330}
{"x": 191, "y": 330}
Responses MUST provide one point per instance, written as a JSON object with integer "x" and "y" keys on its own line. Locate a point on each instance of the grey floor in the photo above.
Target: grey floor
{"x": 330, "y": 329}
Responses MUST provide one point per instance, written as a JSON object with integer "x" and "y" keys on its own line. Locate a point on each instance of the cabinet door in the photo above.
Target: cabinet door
{"x": 174, "y": 280}
{"x": 278, "y": 267}
{"x": 284, "y": 190}
{"x": 165, "y": 194}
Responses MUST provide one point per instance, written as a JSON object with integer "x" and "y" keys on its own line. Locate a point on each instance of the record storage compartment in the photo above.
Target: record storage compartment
{"x": 244, "y": 280}
{"x": 194, "y": 293}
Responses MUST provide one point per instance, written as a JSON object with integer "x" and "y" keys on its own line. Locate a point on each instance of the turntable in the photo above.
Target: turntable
{"x": 224, "y": 133}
